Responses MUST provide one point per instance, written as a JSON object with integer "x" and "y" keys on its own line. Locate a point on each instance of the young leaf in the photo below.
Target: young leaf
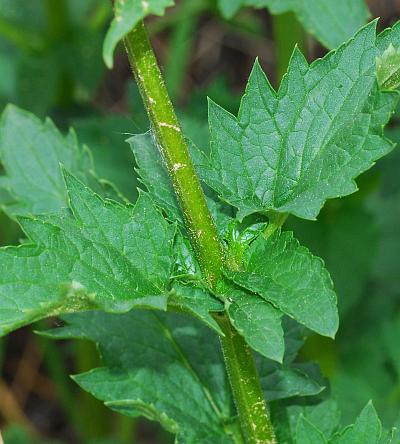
{"x": 331, "y": 23}
{"x": 166, "y": 368}
{"x": 388, "y": 43}
{"x": 128, "y": 13}
{"x": 290, "y": 151}
{"x": 388, "y": 68}
{"x": 366, "y": 430}
{"x": 104, "y": 255}
{"x": 186, "y": 265}
{"x": 307, "y": 433}
{"x": 288, "y": 276}
{"x": 258, "y": 321}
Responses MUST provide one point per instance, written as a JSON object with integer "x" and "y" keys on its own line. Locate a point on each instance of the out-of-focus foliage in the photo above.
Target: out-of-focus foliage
{"x": 331, "y": 22}
{"x": 51, "y": 51}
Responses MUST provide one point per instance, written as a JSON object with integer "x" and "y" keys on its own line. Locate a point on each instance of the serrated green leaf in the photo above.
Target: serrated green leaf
{"x": 128, "y": 13}
{"x": 331, "y": 23}
{"x": 288, "y": 276}
{"x": 389, "y": 36}
{"x": 290, "y": 151}
{"x": 366, "y": 430}
{"x": 166, "y": 368}
{"x": 196, "y": 301}
{"x": 102, "y": 255}
{"x": 257, "y": 321}
{"x": 307, "y": 433}
{"x": 31, "y": 152}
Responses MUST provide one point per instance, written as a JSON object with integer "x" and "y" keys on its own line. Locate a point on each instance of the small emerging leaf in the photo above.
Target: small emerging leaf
{"x": 388, "y": 68}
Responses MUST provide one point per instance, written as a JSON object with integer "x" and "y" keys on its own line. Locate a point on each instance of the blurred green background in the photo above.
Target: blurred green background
{"x": 51, "y": 64}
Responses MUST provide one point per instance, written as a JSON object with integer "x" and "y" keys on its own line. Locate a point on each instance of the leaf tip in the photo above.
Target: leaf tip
{"x": 108, "y": 58}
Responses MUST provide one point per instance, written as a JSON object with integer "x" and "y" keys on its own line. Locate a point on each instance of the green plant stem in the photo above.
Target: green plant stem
{"x": 276, "y": 220}
{"x": 248, "y": 396}
{"x": 175, "y": 152}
